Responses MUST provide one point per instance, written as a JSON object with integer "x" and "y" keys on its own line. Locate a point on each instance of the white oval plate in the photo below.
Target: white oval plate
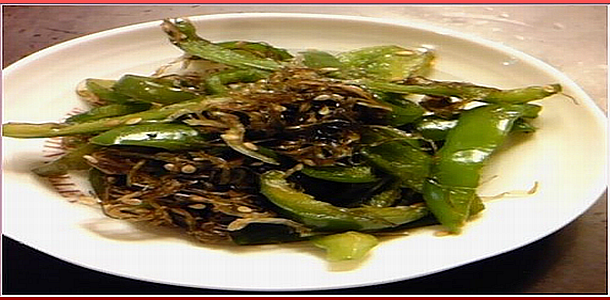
{"x": 567, "y": 156}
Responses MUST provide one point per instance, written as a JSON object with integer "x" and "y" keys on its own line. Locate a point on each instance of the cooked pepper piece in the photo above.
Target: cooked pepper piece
{"x": 386, "y": 62}
{"x": 258, "y": 49}
{"x": 165, "y": 136}
{"x": 403, "y": 111}
{"x": 164, "y": 114}
{"x": 151, "y": 90}
{"x": 319, "y": 59}
{"x": 101, "y": 89}
{"x": 465, "y": 91}
{"x": 451, "y": 189}
{"x": 398, "y": 154}
{"x": 182, "y": 34}
{"x": 215, "y": 84}
{"x": 436, "y": 128}
{"x": 110, "y": 110}
{"x": 350, "y": 245}
{"x": 324, "y": 216}
{"x": 353, "y": 174}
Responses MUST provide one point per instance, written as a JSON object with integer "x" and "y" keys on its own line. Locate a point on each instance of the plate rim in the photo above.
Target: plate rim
{"x": 538, "y": 63}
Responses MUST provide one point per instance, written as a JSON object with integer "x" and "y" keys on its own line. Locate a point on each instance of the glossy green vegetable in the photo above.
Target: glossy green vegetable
{"x": 182, "y": 33}
{"x": 258, "y": 49}
{"x": 164, "y": 114}
{"x": 319, "y": 59}
{"x": 466, "y": 91}
{"x": 386, "y": 62}
{"x": 351, "y": 245}
{"x": 386, "y": 198}
{"x": 455, "y": 174}
{"x": 106, "y": 111}
{"x": 397, "y": 154}
{"x": 403, "y": 111}
{"x": 102, "y": 90}
{"x": 435, "y": 128}
{"x": 353, "y": 174}
{"x": 215, "y": 84}
{"x": 151, "y": 90}
{"x": 324, "y": 216}
{"x": 165, "y": 136}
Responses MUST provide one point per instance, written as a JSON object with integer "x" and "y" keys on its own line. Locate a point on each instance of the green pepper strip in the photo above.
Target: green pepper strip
{"x": 387, "y": 62}
{"x": 466, "y": 91}
{"x": 350, "y": 245}
{"x": 102, "y": 89}
{"x": 151, "y": 90}
{"x": 110, "y": 110}
{"x": 182, "y": 34}
{"x": 397, "y": 154}
{"x": 215, "y": 84}
{"x": 324, "y": 216}
{"x": 451, "y": 188}
{"x": 435, "y": 128}
{"x": 165, "y": 136}
{"x": 260, "y": 49}
{"x": 164, "y": 114}
{"x": 354, "y": 174}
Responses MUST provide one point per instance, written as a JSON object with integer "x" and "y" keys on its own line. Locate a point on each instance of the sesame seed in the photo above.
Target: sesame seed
{"x": 229, "y": 136}
{"x": 113, "y": 123}
{"x": 324, "y": 111}
{"x": 133, "y": 121}
{"x": 244, "y": 209}
{"x": 250, "y": 146}
{"x": 197, "y": 206}
{"x": 188, "y": 169}
{"x": 404, "y": 53}
{"x": 329, "y": 69}
{"x": 91, "y": 159}
{"x": 309, "y": 162}
{"x": 322, "y": 97}
{"x": 132, "y": 201}
{"x": 170, "y": 167}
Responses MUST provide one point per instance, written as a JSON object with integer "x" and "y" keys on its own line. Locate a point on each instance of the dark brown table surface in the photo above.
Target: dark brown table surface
{"x": 571, "y": 38}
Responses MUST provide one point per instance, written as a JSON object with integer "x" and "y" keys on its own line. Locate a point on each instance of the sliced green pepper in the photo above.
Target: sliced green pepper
{"x": 398, "y": 155}
{"x": 215, "y": 84}
{"x": 165, "y": 136}
{"x": 164, "y": 114}
{"x": 451, "y": 189}
{"x": 386, "y": 62}
{"x": 465, "y": 91}
{"x": 351, "y": 245}
{"x": 102, "y": 89}
{"x": 152, "y": 90}
{"x": 258, "y": 49}
{"x": 319, "y": 59}
{"x": 435, "y": 128}
{"x": 324, "y": 216}
{"x": 403, "y": 111}
{"x": 110, "y": 110}
{"x": 353, "y": 174}
{"x": 181, "y": 33}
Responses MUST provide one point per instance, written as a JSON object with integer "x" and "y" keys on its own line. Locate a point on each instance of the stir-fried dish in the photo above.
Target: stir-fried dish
{"x": 248, "y": 143}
